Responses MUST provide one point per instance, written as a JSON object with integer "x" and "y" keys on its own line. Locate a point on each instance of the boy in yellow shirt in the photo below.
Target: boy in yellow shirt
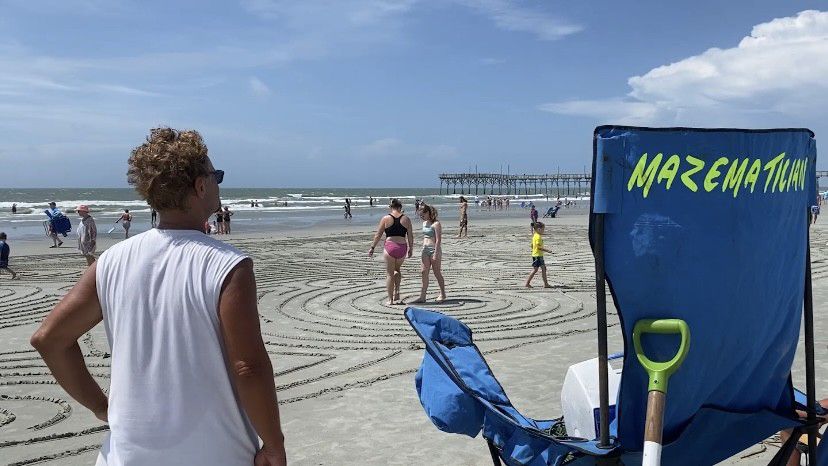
{"x": 537, "y": 256}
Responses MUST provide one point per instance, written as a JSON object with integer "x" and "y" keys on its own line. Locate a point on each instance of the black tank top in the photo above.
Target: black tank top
{"x": 396, "y": 228}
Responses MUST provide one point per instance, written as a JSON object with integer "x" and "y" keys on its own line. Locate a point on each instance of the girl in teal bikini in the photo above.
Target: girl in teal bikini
{"x": 432, "y": 255}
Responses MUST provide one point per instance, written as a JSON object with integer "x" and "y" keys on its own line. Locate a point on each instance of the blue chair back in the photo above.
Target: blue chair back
{"x": 708, "y": 226}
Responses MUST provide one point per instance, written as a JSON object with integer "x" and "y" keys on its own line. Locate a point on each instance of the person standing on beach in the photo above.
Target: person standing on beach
{"x": 219, "y": 221}
{"x": 153, "y": 218}
{"x": 537, "y": 255}
{"x": 191, "y": 381}
{"x": 87, "y": 234}
{"x": 464, "y": 217}
{"x": 399, "y": 243}
{"x": 432, "y": 255}
{"x": 126, "y": 221}
{"x": 5, "y": 250}
{"x": 226, "y": 216}
{"x": 348, "y": 208}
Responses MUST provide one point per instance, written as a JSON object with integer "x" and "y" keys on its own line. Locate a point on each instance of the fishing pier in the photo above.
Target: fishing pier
{"x": 498, "y": 183}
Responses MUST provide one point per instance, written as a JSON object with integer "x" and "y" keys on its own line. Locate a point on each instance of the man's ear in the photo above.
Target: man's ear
{"x": 200, "y": 187}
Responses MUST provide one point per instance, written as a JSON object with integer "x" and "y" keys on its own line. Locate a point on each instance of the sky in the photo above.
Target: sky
{"x": 381, "y": 93}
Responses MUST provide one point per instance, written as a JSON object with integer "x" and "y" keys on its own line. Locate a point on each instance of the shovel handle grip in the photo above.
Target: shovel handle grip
{"x": 660, "y": 372}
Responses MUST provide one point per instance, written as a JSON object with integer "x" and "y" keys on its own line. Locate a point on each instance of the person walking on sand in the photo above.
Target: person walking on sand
{"x": 126, "y": 221}
{"x": 537, "y": 256}
{"x": 226, "y": 217}
{"x": 815, "y": 212}
{"x": 5, "y": 250}
{"x": 191, "y": 381}
{"x": 533, "y": 217}
{"x": 54, "y": 215}
{"x": 399, "y": 244}
{"x": 432, "y": 255}
{"x": 87, "y": 234}
{"x": 464, "y": 218}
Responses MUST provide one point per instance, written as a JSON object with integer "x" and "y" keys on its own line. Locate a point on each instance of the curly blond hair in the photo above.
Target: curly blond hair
{"x": 163, "y": 169}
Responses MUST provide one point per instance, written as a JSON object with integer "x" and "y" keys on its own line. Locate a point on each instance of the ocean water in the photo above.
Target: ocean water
{"x": 278, "y": 209}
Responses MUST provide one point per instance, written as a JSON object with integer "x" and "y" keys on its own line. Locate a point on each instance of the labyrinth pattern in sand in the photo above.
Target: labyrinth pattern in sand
{"x": 324, "y": 321}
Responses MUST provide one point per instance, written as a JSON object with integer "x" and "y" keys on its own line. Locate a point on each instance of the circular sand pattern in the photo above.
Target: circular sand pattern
{"x": 324, "y": 320}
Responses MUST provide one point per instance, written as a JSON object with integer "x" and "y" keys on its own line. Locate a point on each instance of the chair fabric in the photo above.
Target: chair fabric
{"x": 461, "y": 395}
{"x": 708, "y": 226}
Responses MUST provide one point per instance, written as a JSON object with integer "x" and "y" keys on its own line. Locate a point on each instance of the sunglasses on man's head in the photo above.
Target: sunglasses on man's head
{"x": 218, "y": 174}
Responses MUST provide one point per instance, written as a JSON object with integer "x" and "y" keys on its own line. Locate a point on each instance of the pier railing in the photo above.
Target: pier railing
{"x": 495, "y": 183}
{"x": 498, "y": 183}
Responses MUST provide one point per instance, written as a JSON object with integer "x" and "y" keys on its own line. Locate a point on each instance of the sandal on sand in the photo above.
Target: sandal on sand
{"x": 418, "y": 301}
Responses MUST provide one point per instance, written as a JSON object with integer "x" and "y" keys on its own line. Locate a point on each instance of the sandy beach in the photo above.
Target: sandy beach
{"x": 344, "y": 361}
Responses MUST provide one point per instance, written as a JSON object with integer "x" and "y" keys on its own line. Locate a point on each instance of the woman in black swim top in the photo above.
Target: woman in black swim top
{"x": 399, "y": 242}
{"x": 226, "y": 216}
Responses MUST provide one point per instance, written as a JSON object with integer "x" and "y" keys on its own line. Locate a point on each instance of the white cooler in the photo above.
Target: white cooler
{"x": 580, "y": 397}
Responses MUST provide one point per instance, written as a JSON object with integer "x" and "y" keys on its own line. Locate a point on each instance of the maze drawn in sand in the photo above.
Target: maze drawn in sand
{"x": 324, "y": 321}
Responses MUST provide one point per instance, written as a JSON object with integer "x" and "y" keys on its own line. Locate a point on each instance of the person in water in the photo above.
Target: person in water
{"x": 191, "y": 380}
{"x": 399, "y": 244}
{"x": 432, "y": 255}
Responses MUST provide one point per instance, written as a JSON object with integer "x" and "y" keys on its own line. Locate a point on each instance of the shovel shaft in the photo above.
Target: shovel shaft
{"x": 653, "y": 428}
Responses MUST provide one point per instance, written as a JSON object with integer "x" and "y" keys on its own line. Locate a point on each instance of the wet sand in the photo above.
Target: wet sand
{"x": 344, "y": 361}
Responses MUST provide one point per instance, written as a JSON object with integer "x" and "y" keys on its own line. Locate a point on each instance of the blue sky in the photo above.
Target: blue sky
{"x": 376, "y": 93}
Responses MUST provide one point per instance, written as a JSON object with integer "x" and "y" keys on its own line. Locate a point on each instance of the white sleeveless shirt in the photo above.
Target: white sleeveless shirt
{"x": 171, "y": 399}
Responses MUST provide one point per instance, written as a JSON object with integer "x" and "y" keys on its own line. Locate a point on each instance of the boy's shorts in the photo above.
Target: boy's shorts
{"x": 537, "y": 261}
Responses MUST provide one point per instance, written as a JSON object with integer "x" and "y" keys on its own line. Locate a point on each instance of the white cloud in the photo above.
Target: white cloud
{"x": 777, "y": 73}
{"x": 510, "y": 16}
{"x": 258, "y": 88}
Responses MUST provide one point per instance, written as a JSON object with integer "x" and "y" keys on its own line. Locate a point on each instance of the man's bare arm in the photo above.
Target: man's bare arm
{"x": 57, "y": 342}
{"x": 248, "y": 360}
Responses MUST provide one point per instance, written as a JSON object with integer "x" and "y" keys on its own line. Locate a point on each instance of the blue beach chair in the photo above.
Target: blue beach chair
{"x": 705, "y": 225}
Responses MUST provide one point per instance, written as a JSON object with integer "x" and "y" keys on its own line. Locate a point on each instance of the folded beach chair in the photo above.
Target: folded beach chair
{"x": 705, "y": 225}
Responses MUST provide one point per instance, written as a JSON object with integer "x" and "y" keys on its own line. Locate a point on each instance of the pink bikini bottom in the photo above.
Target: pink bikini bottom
{"x": 396, "y": 250}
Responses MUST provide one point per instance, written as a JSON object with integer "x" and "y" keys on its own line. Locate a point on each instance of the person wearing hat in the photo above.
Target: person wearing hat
{"x": 87, "y": 234}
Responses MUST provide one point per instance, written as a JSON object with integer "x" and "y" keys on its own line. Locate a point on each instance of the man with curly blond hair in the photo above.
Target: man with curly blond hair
{"x": 191, "y": 381}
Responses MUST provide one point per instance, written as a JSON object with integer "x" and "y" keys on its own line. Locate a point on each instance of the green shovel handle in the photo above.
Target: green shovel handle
{"x": 660, "y": 372}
